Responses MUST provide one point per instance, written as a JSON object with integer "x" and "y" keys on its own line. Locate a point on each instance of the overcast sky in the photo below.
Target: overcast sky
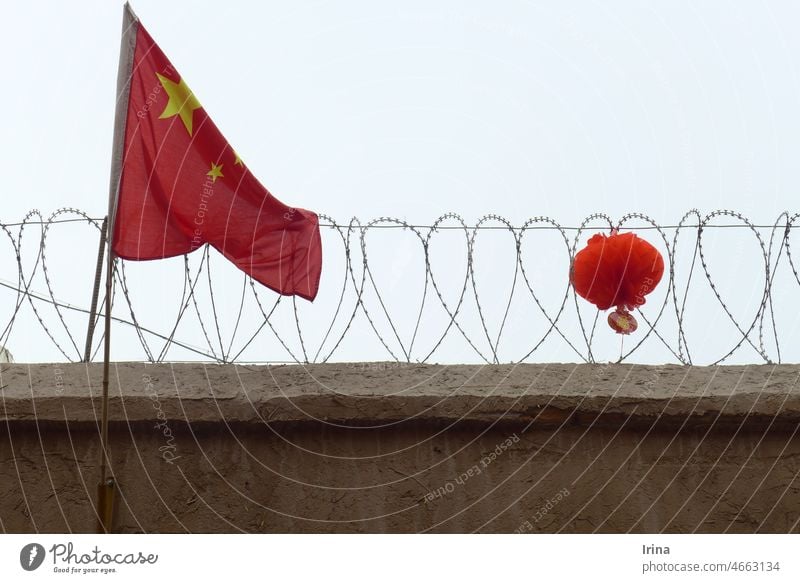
{"x": 413, "y": 109}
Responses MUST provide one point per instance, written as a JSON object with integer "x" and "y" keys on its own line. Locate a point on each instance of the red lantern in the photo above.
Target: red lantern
{"x": 617, "y": 270}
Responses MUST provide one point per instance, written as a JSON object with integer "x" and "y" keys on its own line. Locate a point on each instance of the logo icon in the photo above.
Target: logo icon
{"x": 31, "y": 556}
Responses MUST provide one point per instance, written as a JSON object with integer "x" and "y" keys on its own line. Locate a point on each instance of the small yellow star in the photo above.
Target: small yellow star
{"x": 238, "y": 160}
{"x": 182, "y": 101}
{"x": 215, "y": 172}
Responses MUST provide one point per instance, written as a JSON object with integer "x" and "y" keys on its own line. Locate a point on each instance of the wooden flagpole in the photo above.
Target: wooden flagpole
{"x": 107, "y": 485}
{"x": 98, "y": 274}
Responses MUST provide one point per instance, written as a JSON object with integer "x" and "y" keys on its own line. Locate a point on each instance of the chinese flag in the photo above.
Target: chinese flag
{"x": 181, "y": 184}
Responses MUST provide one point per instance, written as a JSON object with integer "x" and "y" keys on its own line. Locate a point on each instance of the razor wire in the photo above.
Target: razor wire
{"x": 759, "y": 334}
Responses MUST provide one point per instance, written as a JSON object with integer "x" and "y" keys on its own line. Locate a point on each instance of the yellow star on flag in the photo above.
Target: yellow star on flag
{"x": 215, "y": 172}
{"x": 238, "y": 160}
{"x": 182, "y": 101}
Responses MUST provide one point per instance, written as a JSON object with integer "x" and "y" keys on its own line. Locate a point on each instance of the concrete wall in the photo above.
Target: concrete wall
{"x": 380, "y": 447}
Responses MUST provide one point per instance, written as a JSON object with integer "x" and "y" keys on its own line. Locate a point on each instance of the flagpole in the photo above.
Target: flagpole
{"x": 107, "y": 485}
{"x": 98, "y": 274}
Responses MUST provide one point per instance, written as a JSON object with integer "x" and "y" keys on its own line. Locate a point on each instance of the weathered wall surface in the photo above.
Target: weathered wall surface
{"x": 405, "y": 448}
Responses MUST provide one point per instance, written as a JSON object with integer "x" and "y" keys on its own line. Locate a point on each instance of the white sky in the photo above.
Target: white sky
{"x": 413, "y": 109}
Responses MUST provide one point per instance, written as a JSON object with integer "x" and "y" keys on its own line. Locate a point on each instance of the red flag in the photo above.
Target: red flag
{"x": 181, "y": 185}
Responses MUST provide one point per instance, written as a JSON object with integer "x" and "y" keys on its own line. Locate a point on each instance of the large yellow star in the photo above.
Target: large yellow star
{"x": 215, "y": 172}
{"x": 182, "y": 101}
